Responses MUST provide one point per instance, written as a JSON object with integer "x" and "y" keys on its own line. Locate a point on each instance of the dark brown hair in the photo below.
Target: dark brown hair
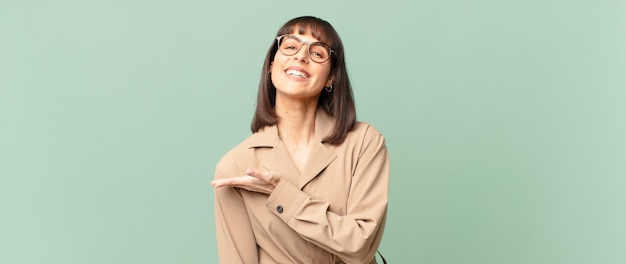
{"x": 339, "y": 103}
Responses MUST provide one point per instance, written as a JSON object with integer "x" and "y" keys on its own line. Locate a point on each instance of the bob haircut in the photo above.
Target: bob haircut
{"x": 338, "y": 103}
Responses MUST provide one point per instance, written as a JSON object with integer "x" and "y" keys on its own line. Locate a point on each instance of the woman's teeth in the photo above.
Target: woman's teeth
{"x": 297, "y": 73}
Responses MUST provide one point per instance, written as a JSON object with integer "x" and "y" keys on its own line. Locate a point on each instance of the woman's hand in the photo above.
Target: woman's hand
{"x": 254, "y": 181}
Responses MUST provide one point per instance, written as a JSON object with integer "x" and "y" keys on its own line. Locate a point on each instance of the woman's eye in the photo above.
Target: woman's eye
{"x": 316, "y": 54}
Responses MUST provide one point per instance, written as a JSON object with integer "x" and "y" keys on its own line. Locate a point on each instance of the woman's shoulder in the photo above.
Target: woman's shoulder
{"x": 235, "y": 154}
{"x": 243, "y": 153}
{"x": 364, "y": 129}
{"x": 361, "y": 134}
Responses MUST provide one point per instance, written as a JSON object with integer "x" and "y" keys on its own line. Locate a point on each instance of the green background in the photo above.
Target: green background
{"x": 505, "y": 122}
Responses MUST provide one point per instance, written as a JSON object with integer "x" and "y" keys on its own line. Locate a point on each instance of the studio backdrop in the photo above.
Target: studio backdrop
{"x": 505, "y": 123}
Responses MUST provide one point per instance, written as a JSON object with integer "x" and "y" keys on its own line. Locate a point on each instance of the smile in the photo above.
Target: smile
{"x": 297, "y": 73}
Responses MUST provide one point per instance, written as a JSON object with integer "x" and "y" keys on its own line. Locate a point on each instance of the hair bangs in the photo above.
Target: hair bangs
{"x": 313, "y": 26}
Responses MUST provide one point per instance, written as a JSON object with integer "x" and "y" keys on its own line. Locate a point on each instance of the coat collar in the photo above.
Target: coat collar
{"x": 280, "y": 161}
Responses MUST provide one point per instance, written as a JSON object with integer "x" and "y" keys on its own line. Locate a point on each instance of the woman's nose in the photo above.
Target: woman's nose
{"x": 303, "y": 53}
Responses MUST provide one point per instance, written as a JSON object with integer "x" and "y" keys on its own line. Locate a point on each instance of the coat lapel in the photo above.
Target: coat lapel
{"x": 319, "y": 158}
{"x": 272, "y": 154}
{"x": 279, "y": 160}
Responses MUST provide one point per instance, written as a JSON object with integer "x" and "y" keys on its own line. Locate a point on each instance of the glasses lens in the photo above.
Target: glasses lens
{"x": 289, "y": 45}
{"x": 319, "y": 52}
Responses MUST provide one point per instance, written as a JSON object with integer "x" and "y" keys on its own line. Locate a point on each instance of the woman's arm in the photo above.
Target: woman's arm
{"x": 235, "y": 240}
{"x": 355, "y": 236}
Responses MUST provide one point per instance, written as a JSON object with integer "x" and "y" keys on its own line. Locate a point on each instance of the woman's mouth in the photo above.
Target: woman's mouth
{"x": 297, "y": 73}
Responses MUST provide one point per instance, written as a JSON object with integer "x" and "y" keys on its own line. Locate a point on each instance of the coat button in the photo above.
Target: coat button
{"x": 279, "y": 209}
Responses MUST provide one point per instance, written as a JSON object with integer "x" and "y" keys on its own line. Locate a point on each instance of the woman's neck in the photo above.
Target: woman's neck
{"x": 296, "y": 121}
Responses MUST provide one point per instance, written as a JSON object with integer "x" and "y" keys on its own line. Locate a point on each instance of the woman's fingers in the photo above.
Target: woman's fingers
{"x": 267, "y": 176}
{"x": 259, "y": 174}
{"x": 254, "y": 180}
{"x": 221, "y": 182}
{"x": 233, "y": 181}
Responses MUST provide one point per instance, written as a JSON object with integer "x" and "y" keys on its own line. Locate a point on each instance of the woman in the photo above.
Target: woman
{"x": 311, "y": 184}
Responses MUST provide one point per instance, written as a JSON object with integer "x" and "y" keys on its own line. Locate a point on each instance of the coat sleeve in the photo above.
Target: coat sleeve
{"x": 355, "y": 236}
{"x": 235, "y": 239}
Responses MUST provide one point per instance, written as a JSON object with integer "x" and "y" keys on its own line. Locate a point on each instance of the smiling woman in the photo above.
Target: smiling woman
{"x": 311, "y": 184}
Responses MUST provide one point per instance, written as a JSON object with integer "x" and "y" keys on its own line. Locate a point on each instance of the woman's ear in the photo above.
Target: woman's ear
{"x": 329, "y": 82}
{"x": 331, "y": 79}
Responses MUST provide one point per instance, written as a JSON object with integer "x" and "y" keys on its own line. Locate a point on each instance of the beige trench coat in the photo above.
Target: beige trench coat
{"x": 332, "y": 212}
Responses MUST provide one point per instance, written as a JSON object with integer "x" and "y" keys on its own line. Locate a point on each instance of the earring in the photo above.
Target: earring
{"x": 329, "y": 89}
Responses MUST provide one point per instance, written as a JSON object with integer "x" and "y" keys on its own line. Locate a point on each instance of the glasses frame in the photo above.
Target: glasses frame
{"x": 308, "y": 47}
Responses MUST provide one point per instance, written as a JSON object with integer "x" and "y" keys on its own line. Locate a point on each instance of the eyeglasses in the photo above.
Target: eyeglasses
{"x": 290, "y": 45}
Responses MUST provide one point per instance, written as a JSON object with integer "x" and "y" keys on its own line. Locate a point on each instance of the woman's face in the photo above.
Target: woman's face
{"x": 297, "y": 75}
